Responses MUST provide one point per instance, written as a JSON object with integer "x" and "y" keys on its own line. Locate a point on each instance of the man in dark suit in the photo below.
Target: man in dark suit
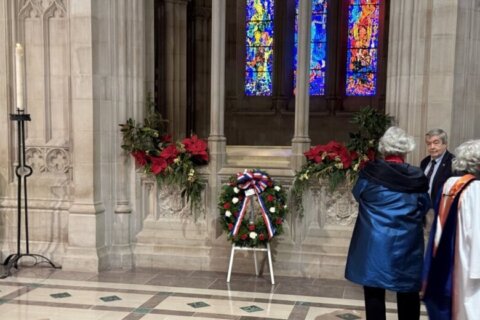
{"x": 438, "y": 165}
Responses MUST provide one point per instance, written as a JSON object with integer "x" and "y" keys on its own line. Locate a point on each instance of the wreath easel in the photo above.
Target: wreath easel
{"x": 246, "y": 229}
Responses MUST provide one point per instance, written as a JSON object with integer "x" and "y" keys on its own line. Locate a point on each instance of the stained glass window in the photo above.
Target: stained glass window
{"x": 362, "y": 47}
{"x": 259, "y": 47}
{"x": 318, "y": 47}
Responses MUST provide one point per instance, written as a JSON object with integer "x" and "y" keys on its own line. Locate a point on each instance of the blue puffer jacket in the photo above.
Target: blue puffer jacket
{"x": 386, "y": 250}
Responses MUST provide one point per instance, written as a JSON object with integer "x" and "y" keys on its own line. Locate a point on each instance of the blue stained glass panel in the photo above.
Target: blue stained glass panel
{"x": 319, "y": 6}
{"x": 318, "y": 47}
{"x": 258, "y": 83}
{"x": 362, "y": 57}
{"x": 259, "y": 47}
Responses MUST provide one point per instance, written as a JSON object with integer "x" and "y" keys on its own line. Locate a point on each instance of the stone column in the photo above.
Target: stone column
{"x": 121, "y": 22}
{"x": 86, "y": 249}
{"x": 422, "y": 58}
{"x": 301, "y": 141}
{"x": 216, "y": 139}
{"x": 6, "y": 101}
{"x": 466, "y": 93}
{"x": 176, "y": 73}
{"x": 407, "y": 65}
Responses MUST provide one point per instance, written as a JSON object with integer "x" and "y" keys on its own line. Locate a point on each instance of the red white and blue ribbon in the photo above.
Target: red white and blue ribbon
{"x": 257, "y": 182}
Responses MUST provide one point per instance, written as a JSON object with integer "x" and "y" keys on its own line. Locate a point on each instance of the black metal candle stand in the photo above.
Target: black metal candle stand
{"x": 22, "y": 171}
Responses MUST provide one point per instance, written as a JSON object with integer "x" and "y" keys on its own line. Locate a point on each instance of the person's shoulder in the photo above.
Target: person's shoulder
{"x": 412, "y": 168}
{"x": 448, "y": 156}
{"x": 424, "y": 162}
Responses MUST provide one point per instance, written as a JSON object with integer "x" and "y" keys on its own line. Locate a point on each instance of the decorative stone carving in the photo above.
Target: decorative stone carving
{"x": 341, "y": 207}
{"x": 46, "y": 159}
{"x": 37, "y": 8}
{"x": 324, "y": 208}
{"x": 165, "y": 202}
{"x": 171, "y": 204}
{"x": 58, "y": 160}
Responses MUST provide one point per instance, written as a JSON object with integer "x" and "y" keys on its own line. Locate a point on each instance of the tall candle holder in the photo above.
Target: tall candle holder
{"x": 22, "y": 171}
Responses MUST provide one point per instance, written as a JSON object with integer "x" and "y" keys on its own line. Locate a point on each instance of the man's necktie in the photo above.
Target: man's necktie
{"x": 430, "y": 170}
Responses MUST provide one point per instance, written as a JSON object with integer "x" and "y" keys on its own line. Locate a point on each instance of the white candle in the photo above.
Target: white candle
{"x": 20, "y": 67}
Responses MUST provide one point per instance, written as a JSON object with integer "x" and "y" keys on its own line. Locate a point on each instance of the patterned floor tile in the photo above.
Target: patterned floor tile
{"x": 110, "y": 298}
{"x": 199, "y": 304}
{"x": 60, "y": 295}
{"x": 175, "y": 294}
{"x": 252, "y": 308}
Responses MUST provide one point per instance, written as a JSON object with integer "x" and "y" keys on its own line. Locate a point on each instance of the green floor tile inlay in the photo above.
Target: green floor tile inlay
{"x": 199, "y": 304}
{"x": 142, "y": 310}
{"x": 110, "y": 298}
{"x": 34, "y": 285}
{"x": 2, "y": 301}
{"x": 348, "y": 316}
{"x": 60, "y": 295}
{"x": 252, "y": 308}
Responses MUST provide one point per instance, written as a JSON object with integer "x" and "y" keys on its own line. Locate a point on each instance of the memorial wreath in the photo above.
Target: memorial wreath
{"x": 252, "y": 208}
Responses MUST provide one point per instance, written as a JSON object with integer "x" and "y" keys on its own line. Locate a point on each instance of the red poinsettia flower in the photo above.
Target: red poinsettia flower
{"x": 270, "y": 198}
{"x": 315, "y": 154}
{"x": 243, "y": 236}
{"x": 226, "y": 205}
{"x": 251, "y": 227}
{"x": 140, "y": 157}
{"x": 196, "y": 147}
{"x": 230, "y": 226}
{"x": 345, "y": 159}
{"x": 167, "y": 138}
{"x": 353, "y": 154}
{"x": 169, "y": 153}
{"x": 261, "y": 237}
{"x": 279, "y": 221}
{"x": 158, "y": 165}
{"x": 332, "y": 151}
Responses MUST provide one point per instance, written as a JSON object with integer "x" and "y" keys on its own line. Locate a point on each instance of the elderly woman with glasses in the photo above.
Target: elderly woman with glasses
{"x": 386, "y": 250}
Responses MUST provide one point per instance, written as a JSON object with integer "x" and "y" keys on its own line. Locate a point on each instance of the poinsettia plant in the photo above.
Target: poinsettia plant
{"x": 339, "y": 163}
{"x": 172, "y": 163}
{"x": 335, "y": 162}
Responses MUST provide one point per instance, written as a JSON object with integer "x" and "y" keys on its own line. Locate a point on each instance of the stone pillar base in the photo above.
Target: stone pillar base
{"x": 85, "y": 259}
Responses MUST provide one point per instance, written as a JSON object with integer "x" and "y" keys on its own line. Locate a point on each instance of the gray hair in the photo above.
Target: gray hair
{"x": 396, "y": 141}
{"x": 467, "y": 157}
{"x": 438, "y": 133}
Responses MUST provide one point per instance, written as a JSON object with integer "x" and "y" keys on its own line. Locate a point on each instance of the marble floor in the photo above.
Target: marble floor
{"x": 44, "y": 293}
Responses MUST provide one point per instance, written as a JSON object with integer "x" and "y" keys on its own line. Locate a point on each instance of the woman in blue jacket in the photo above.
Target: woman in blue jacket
{"x": 386, "y": 250}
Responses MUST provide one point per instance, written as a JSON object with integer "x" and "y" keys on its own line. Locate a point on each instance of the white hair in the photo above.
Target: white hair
{"x": 467, "y": 157}
{"x": 396, "y": 141}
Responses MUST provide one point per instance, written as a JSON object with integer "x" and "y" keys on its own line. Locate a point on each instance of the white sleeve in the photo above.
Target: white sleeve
{"x": 471, "y": 212}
